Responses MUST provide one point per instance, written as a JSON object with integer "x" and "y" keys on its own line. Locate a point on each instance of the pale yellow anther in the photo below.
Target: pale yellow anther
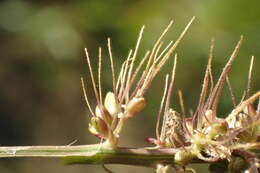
{"x": 98, "y": 112}
{"x": 134, "y": 106}
{"x": 98, "y": 127}
{"x": 112, "y": 104}
{"x": 103, "y": 113}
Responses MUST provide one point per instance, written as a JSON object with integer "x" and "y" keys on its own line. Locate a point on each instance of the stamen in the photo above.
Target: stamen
{"x": 172, "y": 49}
{"x": 157, "y": 43}
{"x": 120, "y": 75}
{"x": 122, "y": 71}
{"x": 162, "y": 35}
{"x": 161, "y": 107}
{"x": 85, "y": 96}
{"x": 167, "y": 106}
{"x": 210, "y": 62}
{"x": 231, "y": 92}
{"x": 181, "y": 102}
{"x": 152, "y": 69}
{"x": 214, "y": 97}
{"x": 199, "y": 111}
{"x": 92, "y": 76}
{"x": 250, "y": 76}
{"x": 99, "y": 74}
{"x": 157, "y": 51}
{"x": 123, "y": 82}
{"x": 112, "y": 65}
{"x": 126, "y": 93}
{"x": 164, "y": 50}
{"x": 139, "y": 67}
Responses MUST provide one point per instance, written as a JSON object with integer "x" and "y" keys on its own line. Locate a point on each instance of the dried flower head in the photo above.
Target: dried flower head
{"x": 204, "y": 135}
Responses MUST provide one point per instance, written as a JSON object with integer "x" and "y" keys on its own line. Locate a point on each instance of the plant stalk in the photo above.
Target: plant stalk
{"x": 98, "y": 154}
{"x": 95, "y": 154}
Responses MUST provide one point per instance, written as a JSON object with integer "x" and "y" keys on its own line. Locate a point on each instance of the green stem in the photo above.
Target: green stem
{"x": 97, "y": 154}
{"x": 94, "y": 154}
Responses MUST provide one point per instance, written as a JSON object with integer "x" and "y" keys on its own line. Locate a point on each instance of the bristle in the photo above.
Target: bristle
{"x": 172, "y": 49}
{"x": 149, "y": 63}
{"x": 153, "y": 68}
{"x": 112, "y": 65}
{"x": 250, "y": 76}
{"x": 146, "y": 75}
{"x": 210, "y": 64}
{"x": 199, "y": 111}
{"x": 158, "y": 41}
{"x": 164, "y": 50}
{"x": 169, "y": 93}
{"x": 233, "y": 98}
{"x": 126, "y": 94}
{"x": 181, "y": 102}
{"x": 163, "y": 33}
{"x": 214, "y": 96}
{"x": 120, "y": 76}
{"x": 85, "y": 96}
{"x": 197, "y": 117}
{"x": 139, "y": 67}
{"x": 145, "y": 83}
{"x": 123, "y": 82}
{"x": 161, "y": 107}
{"x": 99, "y": 74}
{"x": 92, "y": 76}
{"x": 157, "y": 51}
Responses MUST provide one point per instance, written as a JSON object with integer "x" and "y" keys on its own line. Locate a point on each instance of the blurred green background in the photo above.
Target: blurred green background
{"x": 42, "y": 59}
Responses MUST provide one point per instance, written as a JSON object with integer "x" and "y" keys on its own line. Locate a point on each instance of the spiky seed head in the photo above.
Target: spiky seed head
{"x": 134, "y": 106}
{"x": 112, "y": 104}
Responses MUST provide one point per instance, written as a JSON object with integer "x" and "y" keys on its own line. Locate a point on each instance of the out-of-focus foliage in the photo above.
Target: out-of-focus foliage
{"x": 42, "y": 58}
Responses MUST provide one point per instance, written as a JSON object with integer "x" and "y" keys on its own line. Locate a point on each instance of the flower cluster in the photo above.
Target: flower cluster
{"x": 203, "y": 134}
{"x": 125, "y": 101}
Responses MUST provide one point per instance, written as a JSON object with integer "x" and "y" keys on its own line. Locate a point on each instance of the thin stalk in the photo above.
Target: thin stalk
{"x": 95, "y": 154}
{"x": 98, "y": 154}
